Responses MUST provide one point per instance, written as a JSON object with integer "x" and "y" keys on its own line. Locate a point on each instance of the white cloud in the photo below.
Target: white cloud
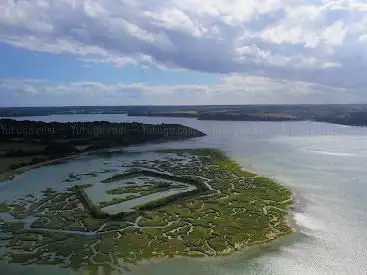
{"x": 295, "y": 40}
{"x": 232, "y": 89}
{"x": 335, "y": 34}
{"x": 363, "y": 38}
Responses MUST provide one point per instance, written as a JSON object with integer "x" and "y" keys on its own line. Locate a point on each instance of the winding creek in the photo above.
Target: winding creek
{"x": 323, "y": 164}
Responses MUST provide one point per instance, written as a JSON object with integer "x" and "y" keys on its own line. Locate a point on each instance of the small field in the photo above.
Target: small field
{"x": 130, "y": 191}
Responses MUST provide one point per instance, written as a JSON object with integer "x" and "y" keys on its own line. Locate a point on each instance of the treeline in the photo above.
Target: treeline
{"x": 346, "y": 114}
{"x": 246, "y": 117}
{"x": 358, "y": 118}
{"x": 56, "y": 140}
{"x": 64, "y": 138}
{"x": 162, "y": 114}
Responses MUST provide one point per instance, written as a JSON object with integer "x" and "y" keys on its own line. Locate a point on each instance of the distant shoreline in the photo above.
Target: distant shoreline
{"x": 202, "y": 119}
{"x": 341, "y": 114}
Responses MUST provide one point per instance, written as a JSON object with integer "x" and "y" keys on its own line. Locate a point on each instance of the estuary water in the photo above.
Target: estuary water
{"x": 324, "y": 165}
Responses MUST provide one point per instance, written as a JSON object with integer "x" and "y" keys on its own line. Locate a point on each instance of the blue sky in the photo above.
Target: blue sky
{"x": 104, "y": 52}
{"x": 21, "y": 63}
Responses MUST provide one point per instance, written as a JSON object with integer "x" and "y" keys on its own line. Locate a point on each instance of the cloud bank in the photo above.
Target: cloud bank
{"x": 319, "y": 41}
{"x": 232, "y": 89}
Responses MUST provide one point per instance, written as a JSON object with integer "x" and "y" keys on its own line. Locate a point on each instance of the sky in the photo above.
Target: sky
{"x": 182, "y": 52}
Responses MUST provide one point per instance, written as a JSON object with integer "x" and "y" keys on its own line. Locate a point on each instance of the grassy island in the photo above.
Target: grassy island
{"x": 227, "y": 209}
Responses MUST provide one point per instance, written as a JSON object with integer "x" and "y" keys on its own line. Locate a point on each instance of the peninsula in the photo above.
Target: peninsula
{"x": 168, "y": 203}
{"x": 25, "y": 144}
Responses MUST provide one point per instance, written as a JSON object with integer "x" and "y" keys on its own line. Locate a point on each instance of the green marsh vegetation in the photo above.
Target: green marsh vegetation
{"x": 231, "y": 211}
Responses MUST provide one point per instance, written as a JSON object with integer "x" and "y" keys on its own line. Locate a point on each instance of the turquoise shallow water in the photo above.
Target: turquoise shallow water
{"x": 324, "y": 164}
